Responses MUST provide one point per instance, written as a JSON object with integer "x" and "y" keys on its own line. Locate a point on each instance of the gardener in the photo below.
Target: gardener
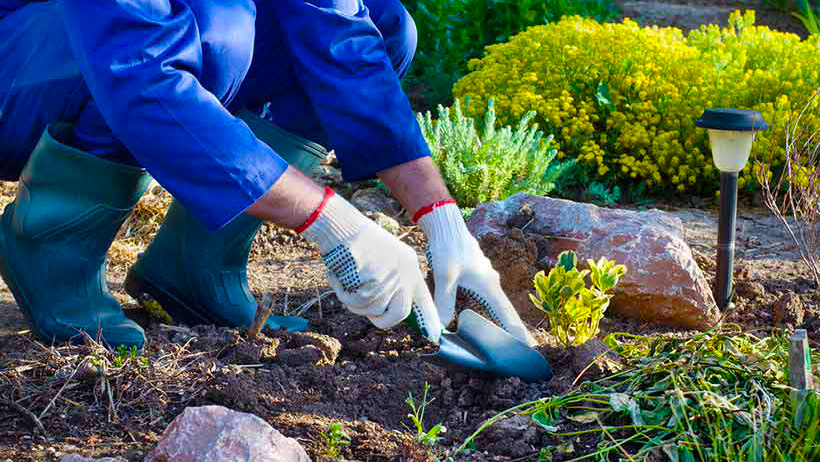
{"x": 94, "y": 94}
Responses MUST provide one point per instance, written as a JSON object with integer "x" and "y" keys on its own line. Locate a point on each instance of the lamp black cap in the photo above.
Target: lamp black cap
{"x": 741, "y": 120}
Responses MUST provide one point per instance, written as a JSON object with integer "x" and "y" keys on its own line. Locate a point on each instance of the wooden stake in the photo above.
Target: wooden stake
{"x": 800, "y": 376}
{"x": 263, "y": 311}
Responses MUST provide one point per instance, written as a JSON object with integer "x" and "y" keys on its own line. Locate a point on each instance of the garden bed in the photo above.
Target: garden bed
{"x": 364, "y": 387}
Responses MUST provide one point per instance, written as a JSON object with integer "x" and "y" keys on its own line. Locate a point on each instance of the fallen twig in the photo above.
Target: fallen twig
{"x": 51, "y": 403}
{"x": 17, "y": 407}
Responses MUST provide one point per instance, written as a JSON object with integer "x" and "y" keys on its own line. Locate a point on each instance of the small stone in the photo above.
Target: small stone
{"x": 218, "y": 434}
{"x": 390, "y": 225}
{"x": 328, "y": 175}
{"x": 177, "y": 334}
{"x": 508, "y": 436}
{"x": 78, "y": 458}
{"x": 788, "y": 311}
{"x": 594, "y": 358}
{"x": 375, "y": 200}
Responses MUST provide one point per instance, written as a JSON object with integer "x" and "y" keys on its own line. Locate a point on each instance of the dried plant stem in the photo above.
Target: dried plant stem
{"x": 263, "y": 311}
{"x": 794, "y": 195}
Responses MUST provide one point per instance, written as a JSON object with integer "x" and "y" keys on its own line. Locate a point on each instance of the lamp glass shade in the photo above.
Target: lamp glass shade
{"x": 730, "y": 148}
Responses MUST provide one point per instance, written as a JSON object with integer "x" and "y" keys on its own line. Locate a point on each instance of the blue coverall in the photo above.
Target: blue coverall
{"x": 154, "y": 82}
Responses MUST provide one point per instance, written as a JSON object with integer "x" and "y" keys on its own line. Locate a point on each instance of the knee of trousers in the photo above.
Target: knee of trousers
{"x": 227, "y": 29}
{"x": 398, "y": 29}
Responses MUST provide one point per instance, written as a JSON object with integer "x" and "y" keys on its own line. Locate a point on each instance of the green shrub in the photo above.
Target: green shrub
{"x": 494, "y": 164}
{"x": 573, "y": 309}
{"x": 624, "y": 99}
{"x": 452, "y": 32}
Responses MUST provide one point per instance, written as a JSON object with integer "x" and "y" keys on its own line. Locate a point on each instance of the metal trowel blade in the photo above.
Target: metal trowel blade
{"x": 480, "y": 344}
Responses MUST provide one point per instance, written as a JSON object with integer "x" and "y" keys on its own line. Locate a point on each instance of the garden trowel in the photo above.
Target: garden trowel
{"x": 479, "y": 344}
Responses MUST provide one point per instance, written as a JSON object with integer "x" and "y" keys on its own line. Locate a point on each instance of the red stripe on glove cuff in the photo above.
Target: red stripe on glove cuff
{"x": 429, "y": 208}
{"x": 313, "y": 216}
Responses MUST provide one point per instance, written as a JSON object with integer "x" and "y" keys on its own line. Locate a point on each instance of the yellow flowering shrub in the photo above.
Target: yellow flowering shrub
{"x": 623, "y": 99}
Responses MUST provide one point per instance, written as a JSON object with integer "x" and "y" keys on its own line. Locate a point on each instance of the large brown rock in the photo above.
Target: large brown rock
{"x": 218, "y": 434}
{"x": 663, "y": 283}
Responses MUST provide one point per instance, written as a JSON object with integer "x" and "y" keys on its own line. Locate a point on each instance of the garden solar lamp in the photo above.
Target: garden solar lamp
{"x": 731, "y": 133}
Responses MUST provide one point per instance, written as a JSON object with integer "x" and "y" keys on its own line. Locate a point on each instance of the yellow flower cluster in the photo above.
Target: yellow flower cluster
{"x": 623, "y": 99}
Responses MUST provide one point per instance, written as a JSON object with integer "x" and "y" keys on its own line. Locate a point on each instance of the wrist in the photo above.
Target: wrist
{"x": 334, "y": 222}
{"x": 442, "y": 220}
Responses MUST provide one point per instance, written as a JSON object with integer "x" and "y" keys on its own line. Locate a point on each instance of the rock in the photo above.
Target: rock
{"x": 375, "y": 200}
{"x": 390, "y": 225}
{"x": 328, "y": 175}
{"x": 218, "y": 434}
{"x": 177, "y": 334}
{"x": 788, "y": 311}
{"x": 78, "y": 458}
{"x": 513, "y": 436}
{"x": 663, "y": 283}
{"x": 595, "y": 359}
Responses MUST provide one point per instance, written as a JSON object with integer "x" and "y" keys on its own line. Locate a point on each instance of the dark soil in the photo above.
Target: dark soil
{"x": 690, "y": 14}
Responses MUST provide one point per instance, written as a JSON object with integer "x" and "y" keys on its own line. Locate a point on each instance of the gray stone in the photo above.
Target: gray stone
{"x": 218, "y": 434}
{"x": 375, "y": 200}
{"x": 78, "y": 458}
{"x": 390, "y": 225}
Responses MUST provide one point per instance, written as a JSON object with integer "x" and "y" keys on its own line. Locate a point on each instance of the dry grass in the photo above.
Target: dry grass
{"x": 118, "y": 387}
{"x": 140, "y": 227}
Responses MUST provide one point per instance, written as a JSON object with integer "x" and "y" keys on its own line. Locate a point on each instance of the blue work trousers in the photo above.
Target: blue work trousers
{"x": 244, "y": 58}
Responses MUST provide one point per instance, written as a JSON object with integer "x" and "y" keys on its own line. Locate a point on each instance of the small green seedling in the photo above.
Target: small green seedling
{"x": 335, "y": 437}
{"x": 429, "y": 437}
{"x": 124, "y": 353}
{"x": 575, "y": 310}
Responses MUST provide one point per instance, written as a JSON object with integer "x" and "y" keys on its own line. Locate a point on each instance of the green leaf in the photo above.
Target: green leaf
{"x": 602, "y": 96}
{"x": 545, "y": 420}
{"x": 621, "y": 402}
{"x": 568, "y": 259}
{"x": 585, "y": 417}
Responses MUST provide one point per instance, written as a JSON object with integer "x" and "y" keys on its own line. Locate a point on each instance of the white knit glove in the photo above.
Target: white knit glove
{"x": 457, "y": 261}
{"x": 372, "y": 272}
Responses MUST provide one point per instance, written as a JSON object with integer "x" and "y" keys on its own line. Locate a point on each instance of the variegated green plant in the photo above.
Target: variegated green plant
{"x": 573, "y": 309}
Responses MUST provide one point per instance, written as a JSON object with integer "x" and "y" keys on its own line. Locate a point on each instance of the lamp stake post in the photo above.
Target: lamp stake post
{"x": 731, "y": 133}
{"x": 726, "y": 238}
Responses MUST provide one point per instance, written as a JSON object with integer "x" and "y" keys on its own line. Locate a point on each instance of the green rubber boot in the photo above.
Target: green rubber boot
{"x": 200, "y": 276}
{"x": 54, "y": 238}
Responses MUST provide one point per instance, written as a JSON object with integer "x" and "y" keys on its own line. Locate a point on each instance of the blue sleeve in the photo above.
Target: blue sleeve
{"x": 341, "y": 60}
{"x": 141, "y": 60}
